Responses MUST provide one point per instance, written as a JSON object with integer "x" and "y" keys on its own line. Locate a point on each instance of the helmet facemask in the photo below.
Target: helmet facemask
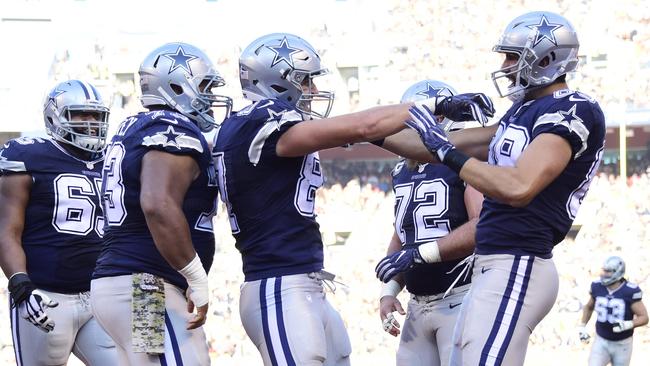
{"x": 87, "y": 135}
{"x": 205, "y": 102}
{"x": 312, "y": 102}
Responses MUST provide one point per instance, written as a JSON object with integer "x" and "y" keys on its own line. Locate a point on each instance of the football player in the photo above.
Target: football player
{"x": 266, "y": 157}
{"x": 542, "y": 157}
{"x": 159, "y": 191}
{"x": 431, "y": 203}
{"x": 51, "y": 227}
{"x": 620, "y": 309}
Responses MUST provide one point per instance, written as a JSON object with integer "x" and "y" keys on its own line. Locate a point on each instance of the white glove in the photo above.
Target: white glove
{"x": 582, "y": 332}
{"x": 623, "y": 325}
{"x": 33, "y": 309}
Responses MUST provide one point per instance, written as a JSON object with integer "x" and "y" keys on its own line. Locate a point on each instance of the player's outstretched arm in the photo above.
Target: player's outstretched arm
{"x": 472, "y": 141}
{"x": 165, "y": 179}
{"x": 587, "y": 310}
{"x": 376, "y": 123}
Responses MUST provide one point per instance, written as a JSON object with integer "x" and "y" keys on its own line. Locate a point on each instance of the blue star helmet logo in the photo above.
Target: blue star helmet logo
{"x": 51, "y": 98}
{"x": 430, "y": 92}
{"x": 180, "y": 59}
{"x": 544, "y": 31}
{"x": 283, "y": 52}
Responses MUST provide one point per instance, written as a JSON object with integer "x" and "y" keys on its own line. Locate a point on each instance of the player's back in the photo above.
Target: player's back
{"x": 270, "y": 199}
{"x": 537, "y": 227}
{"x": 63, "y": 220}
{"x": 129, "y": 246}
{"x": 429, "y": 203}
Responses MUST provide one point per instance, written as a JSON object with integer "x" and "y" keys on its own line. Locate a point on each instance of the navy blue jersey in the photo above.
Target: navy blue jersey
{"x": 270, "y": 199}
{"x": 63, "y": 219}
{"x": 544, "y": 222}
{"x": 128, "y": 244}
{"x": 612, "y": 307}
{"x": 429, "y": 203}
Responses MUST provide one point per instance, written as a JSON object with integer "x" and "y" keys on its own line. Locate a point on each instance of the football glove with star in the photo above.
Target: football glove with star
{"x": 397, "y": 262}
{"x": 462, "y": 107}
{"x": 424, "y": 122}
{"x": 31, "y": 302}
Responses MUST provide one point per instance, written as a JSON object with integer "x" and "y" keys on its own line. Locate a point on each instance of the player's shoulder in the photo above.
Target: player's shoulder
{"x": 596, "y": 285}
{"x": 165, "y": 129}
{"x": 574, "y": 105}
{"x": 166, "y": 118}
{"x": 632, "y": 287}
{"x": 17, "y": 153}
{"x": 268, "y": 110}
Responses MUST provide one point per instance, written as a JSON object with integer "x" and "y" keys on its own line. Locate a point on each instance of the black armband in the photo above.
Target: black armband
{"x": 455, "y": 160}
{"x": 379, "y": 142}
{"x": 20, "y": 287}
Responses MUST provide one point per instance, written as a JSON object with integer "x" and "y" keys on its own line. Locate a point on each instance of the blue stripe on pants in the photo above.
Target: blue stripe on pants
{"x": 502, "y": 308}
{"x": 283, "y": 334}
{"x": 265, "y": 323}
{"x": 515, "y": 316}
{"x": 172, "y": 336}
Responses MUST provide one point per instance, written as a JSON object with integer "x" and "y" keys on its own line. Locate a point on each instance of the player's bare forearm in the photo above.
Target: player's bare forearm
{"x": 587, "y": 310}
{"x": 367, "y": 125}
{"x": 171, "y": 234}
{"x": 14, "y": 197}
{"x": 407, "y": 143}
{"x": 474, "y": 141}
{"x": 459, "y": 242}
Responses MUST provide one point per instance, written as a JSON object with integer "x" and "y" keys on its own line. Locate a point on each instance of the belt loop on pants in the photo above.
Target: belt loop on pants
{"x": 425, "y": 299}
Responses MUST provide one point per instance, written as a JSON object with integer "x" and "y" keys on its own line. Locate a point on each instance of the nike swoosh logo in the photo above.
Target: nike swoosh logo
{"x": 451, "y": 306}
{"x": 483, "y": 270}
{"x": 574, "y": 99}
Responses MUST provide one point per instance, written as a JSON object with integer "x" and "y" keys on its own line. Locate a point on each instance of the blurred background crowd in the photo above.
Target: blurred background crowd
{"x": 375, "y": 50}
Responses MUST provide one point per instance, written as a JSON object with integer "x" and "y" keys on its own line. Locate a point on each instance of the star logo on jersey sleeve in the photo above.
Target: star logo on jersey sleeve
{"x": 283, "y": 52}
{"x": 430, "y": 92}
{"x": 180, "y": 59}
{"x": 544, "y": 31}
{"x": 52, "y": 97}
{"x": 569, "y": 117}
{"x": 171, "y": 136}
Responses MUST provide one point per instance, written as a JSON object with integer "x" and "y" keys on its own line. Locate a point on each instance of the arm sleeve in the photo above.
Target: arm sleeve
{"x": 12, "y": 158}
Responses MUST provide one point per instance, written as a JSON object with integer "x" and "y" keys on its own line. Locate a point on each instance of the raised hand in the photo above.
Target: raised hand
{"x": 462, "y": 107}
{"x": 424, "y": 122}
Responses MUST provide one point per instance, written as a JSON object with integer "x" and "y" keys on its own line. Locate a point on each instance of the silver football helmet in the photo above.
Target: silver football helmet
{"x": 283, "y": 66}
{"x": 182, "y": 77}
{"x": 428, "y": 89}
{"x": 613, "y": 270}
{"x": 64, "y": 108}
{"x": 547, "y": 46}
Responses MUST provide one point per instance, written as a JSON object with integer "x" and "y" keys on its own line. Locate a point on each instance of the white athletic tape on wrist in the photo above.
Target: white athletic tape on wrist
{"x": 430, "y": 252}
{"x": 431, "y": 103}
{"x": 392, "y": 288}
{"x": 197, "y": 280}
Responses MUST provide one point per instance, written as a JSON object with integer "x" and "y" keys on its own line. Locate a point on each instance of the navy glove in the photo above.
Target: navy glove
{"x": 464, "y": 107}
{"x": 397, "y": 262}
{"x": 424, "y": 122}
